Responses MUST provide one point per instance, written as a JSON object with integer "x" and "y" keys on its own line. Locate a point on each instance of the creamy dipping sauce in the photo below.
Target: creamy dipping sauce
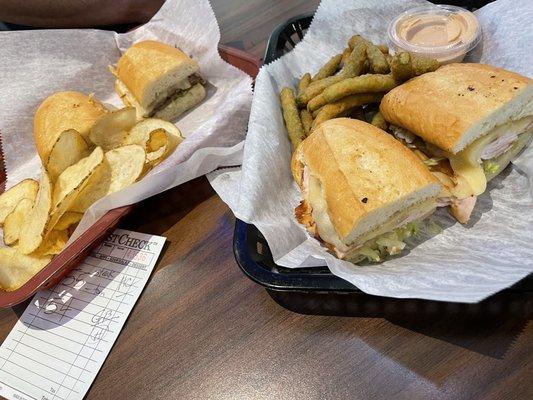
{"x": 445, "y": 33}
{"x": 437, "y": 30}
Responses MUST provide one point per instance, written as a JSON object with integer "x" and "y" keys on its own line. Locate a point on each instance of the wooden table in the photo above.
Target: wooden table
{"x": 202, "y": 330}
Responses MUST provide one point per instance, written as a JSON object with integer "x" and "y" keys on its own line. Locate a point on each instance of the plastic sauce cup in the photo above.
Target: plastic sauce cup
{"x": 442, "y": 32}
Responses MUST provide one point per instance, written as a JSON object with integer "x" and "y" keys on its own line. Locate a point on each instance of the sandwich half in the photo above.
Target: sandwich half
{"x": 159, "y": 80}
{"x": 471, "y": 120}
{"x": 363, "y": 191}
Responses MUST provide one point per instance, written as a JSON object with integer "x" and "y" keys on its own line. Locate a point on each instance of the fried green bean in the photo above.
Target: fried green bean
{"x": 315, "y": 88}
{"x": 307, "y": 120}
{"x": 292, "y": 116}
{"x": 355, "y": 39}
{"x": 379, "y": 121}
{"x": 377, "y": 60}
{"x": 401, "y": 67}
{"x": 316, "y": 102}
{"x": 383, "y": 48}
{"x": 356, "y": 61}
{"x": 333, "y": 110}
{"x": 329, "y": 68}
{"x": 369, "y": 83}
{"x": 304, "y": 82}
{"x": 345, "y": 55}
{"x": 405, "y": 66}
{"x": 354, "y": 67}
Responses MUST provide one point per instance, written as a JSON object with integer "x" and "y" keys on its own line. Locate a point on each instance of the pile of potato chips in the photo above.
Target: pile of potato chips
{"x": 39, "y": 217}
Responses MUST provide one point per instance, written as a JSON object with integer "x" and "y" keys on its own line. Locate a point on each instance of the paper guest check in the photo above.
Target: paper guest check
{"x": 57, "y": 347}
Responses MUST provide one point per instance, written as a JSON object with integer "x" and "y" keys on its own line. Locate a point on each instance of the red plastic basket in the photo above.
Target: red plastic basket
{"x": 76, "y": 252}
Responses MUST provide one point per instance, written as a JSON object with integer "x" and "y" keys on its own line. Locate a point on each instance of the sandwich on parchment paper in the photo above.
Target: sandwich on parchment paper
{"x": 363, "y": 191}
{"x": 159, "y": 80}
{"x": 470, "y": 119}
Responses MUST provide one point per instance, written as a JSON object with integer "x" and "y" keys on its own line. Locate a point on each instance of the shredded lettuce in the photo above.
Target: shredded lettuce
{"x": 370, "y": 254}
{"x": 490, "y": 167}
{"x": 430, "y": 162}
{"x": 390, "y": 243}
{"x": 433, "y": 228}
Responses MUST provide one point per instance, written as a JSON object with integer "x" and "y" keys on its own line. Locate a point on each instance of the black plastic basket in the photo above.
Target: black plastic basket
{"x": 317, "y": 291}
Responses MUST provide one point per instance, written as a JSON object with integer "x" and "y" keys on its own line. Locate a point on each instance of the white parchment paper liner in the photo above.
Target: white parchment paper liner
{"x": 35, "y": 64}
{"x": 462, "y": 264}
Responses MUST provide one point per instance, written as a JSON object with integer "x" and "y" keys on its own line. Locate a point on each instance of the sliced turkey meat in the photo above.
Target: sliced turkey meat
{"x": 499, "y": 146}
{"x": 461, "y": 209}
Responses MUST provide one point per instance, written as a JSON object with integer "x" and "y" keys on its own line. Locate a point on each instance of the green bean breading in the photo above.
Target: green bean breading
{"x": 405, "y": 66}
{"x": 369, "y": 83}
{"x": 307, "y": 121}
{"x": 292, "y": 116}
{"x": 376, "y": 59}
{"x": 304, "y": 82}
{"x": 333, "y": 110}
{"x": 329, "y": 68}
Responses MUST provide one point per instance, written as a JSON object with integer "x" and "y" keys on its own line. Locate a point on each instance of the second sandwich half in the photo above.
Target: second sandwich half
{"x": 363, "y": 191}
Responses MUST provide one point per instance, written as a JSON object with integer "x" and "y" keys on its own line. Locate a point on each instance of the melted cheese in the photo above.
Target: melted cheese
{"x": 471, "y": 178}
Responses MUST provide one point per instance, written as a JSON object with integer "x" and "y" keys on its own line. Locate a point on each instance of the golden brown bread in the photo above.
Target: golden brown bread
{"x": 365, "y": 174}
{"x": 60, "y": 112}
{"x": 148, "y": 67}
{"x": 457, "y": 103}
{"x": 297, "y": 167}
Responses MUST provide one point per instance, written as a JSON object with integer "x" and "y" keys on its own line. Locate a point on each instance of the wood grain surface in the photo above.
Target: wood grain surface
{"x": 202, "y": 330}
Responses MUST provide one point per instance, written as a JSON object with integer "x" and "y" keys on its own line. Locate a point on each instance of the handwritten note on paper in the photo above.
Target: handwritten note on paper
{"x": 62, "y": 339}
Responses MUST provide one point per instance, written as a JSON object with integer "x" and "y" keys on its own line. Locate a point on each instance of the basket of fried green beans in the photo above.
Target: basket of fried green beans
{"x": 348, "y": 84}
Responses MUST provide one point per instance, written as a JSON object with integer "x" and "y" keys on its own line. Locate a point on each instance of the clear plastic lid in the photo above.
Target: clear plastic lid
{"x": 443, "y": 32}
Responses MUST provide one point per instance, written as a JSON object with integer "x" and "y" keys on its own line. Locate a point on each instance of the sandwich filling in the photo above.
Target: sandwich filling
{"x": 465, "y": 174}
{"x": 174, "y": 92}
{"x": 387, "y": 239}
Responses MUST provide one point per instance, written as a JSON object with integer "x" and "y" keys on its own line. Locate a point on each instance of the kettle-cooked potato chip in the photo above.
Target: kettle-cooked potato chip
{"x": 71, "y": 182}
{"x": 15, "y": 221}
{"x": 53, "y": 243}
{"x": 111, "y": 130}
{"x": 70, "y": 217}
{"x": 69, "y": 148}
{"x": 158, "y": 140}
{"x": 26, "y": 189}
{"x": 18, "y": 268}
{"x": 122, "y": 167}
{"x": 33, "y": 230}
{"x": 158, "y": 137}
